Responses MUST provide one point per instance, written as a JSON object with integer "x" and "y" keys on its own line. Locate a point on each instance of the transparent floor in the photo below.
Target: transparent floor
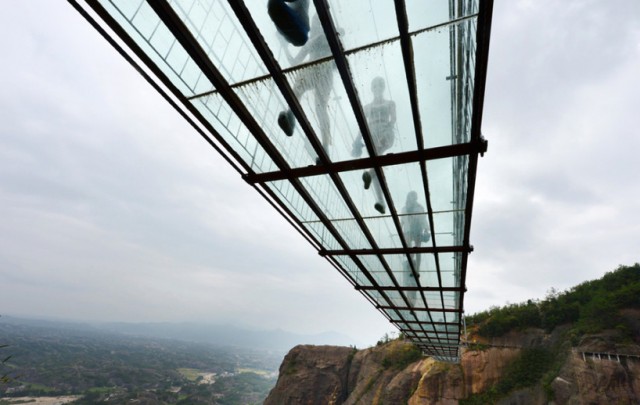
{"x": 366, "y": 136}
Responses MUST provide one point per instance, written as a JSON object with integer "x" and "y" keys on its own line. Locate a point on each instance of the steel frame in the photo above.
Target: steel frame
{"x": 442, "y": 345}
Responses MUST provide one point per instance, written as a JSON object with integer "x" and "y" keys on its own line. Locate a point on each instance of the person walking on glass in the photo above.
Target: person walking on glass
{"x": 381, "y": 119}
{"x": 415, "y": 231}
{"x": 317, "y": 78}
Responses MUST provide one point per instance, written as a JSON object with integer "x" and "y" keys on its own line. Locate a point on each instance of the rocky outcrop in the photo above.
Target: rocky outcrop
{"x": 339, "y": 375}
{"x": 313, "y": 375}
{"x": 593, "y": 380}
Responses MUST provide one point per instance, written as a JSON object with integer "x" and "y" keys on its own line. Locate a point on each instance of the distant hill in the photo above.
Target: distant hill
{"x": 228, "y": 335}
{"x": 221, "y": 335}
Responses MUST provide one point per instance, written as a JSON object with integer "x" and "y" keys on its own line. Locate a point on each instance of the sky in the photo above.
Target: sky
{"x": 114, "y": 209}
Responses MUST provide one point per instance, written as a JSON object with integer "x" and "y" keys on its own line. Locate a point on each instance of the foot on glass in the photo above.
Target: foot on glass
{"x": 286, "y": 122}
{"x": 379, "y": 207}
{"x": 292, "y": 21}
{"x": 366, "y": 178}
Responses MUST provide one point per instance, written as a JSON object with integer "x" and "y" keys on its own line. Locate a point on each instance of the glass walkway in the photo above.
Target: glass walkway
{"x": 365, "y": 138}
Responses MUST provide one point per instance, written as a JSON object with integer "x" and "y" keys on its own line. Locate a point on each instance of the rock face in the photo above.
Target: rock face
{"x": 313, "y": 375}
{"x": 339, "y": 375}
{"x": 589, "y": 380}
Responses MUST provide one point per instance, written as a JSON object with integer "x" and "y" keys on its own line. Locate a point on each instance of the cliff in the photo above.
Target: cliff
{"x": 580, "y": 346}
{"x": 527, "y": 367}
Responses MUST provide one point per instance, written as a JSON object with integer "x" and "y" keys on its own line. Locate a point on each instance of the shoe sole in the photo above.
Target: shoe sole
{"x": 295, "y": 31}
{"x": 285, "y": 124}
{"x": 366, "y": 178}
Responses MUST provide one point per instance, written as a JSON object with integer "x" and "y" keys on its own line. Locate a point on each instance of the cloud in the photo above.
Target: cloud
{"x": 553, "y": 196}
{"x": 113, "y": 208}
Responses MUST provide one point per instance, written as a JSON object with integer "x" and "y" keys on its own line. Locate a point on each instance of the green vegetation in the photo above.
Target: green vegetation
{"x": 108, "y": 368}
{"x": 4, "y": 377}
{"x": 292, "y": 364}
{"x": 525, "y": 371}
{"x": 384, "y": 339}
{"x": 190, "y": 374}
{"x": 399, "y": 356}
{"x": 591, "y": 307}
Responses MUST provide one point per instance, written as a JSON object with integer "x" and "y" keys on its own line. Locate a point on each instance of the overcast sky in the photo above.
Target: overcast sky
{"x": 112, "y": 208}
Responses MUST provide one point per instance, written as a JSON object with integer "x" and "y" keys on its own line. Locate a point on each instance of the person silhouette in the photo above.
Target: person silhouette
{"x": 414, "y": 229}
{"x": 381, "y": 118}
{"x": 318, "y": 78}
{"x": 291, "y": 18}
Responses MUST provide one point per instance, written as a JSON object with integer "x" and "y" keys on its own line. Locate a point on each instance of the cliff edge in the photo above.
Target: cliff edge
{"x": 529, "y": 367}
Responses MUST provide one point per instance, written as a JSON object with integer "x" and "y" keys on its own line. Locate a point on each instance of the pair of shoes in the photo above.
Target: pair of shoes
{"x": 286, "y": 122}
{"x": 366, "y": 178}
{"x": 292, "y": 21}
{"x": 379, "y": 207}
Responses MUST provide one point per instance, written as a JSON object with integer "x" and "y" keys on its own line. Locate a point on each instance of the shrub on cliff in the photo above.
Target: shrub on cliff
{"x": 398, "y": 356}
{"x": 592, "y": 306}
{"x": 524, "y": 371}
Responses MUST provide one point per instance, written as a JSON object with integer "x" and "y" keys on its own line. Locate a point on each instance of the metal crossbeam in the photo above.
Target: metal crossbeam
{"x": 284, "y": 183}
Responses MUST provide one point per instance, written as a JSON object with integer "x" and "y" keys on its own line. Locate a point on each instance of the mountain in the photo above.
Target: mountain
{"x": 227, "y": 335}
{"x": 220, "y": 335}
{"x": 580, "y": 346}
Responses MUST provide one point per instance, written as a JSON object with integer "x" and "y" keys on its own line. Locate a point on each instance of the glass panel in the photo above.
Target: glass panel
{"x": 264, "y": 102}
{"x": 438, "y": 316}
{"x": 407, "y": 190}
{"x": 324, "y": 235}
{"x": 448, "y": 268}
{"x": 381, "y": 227}
{"x": 378, "y": 74}
{"x": 352, "y": 268}
{"x": 444, "y": 229}
{"x": 402, "y": 325}
{"x": 379, "y": 273}
{"x": 234, "y": 132}
{"x": 440, "y": 173}
{"x": 444, "y": 57}
{"x": 465, "y": 78}
{"x": 362, "y": 22}
{"x": 293, "y": 200}
{"x": 384, "y": 231}
{"x": 286, "y": 54}
{"x": 377, "y": 298}
{"x": 430, "y": 278}
{"x": 427, "y": 13}
{"x": 327, "y": 197}
{"x": 399, "y": 315}
{"x": 396, "y": 298}
{"x": 451, "y": 299}
{"x": 401, "y": 180}
{"x": 402, "y": 271}
{"x": 145, "y": 28}
{"x": 434, "y": 301}
{"x": 431, "y": 53}
{"x": 352, "y": 234}
{"x": 323, "y": 98}
{"x": 452, "y": 317}
{"x": 128, "y": 9}
{"x": 216, "y": 28}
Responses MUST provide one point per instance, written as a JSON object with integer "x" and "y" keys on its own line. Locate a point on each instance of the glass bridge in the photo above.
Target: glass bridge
{"x": 366, "y": 138}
